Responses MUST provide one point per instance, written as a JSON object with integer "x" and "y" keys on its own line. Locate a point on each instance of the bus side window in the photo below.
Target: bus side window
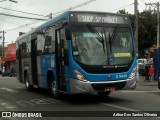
{"x": 23, "y": 49}
{"x": 64, "y": 45}
{"x": 40, "y": 44}
{"x": 28, "y": 51}
{"x": 28, "y": 46}
{"x": 52, "y": 34}
{"x": 48, "y": 44}
{"x": 49, "y": 41}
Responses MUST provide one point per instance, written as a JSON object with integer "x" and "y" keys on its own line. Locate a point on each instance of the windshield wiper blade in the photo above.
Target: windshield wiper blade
{"x": 110, "y": 43}
{"x": 103, "y": 41}
{"x": 115, "y": 32}
{"x": 111, "y": 38}
{"x": 96, "y": 34}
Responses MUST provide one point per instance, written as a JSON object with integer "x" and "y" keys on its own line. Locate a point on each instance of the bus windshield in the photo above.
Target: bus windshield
{"x": 102, "y": 45}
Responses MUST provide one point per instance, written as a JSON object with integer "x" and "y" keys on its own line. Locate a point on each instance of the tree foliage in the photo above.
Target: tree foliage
{"x": 147, "y": 28}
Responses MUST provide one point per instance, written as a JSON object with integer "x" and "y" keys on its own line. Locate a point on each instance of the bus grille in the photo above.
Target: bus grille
{"x": 101, "y": 87}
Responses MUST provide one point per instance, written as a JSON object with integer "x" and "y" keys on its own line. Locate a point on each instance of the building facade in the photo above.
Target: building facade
{"x": 9, "y": 59}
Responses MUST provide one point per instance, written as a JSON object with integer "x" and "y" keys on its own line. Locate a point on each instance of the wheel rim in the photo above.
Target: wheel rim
{"x": 27, "y": 84}
{"x": 54, "y": 87}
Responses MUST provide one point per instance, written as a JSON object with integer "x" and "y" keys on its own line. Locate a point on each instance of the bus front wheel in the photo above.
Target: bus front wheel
{"x": 52, "y": 85}
{"x": 159, "y": 84}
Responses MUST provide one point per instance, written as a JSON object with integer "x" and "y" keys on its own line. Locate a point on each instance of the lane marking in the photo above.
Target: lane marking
{"x": 8, "y": 90}
{"x": 119, "y": 107}
{"x": 38, "y": 101}
{"x": 19, "y": 87}
{"x": 24, "y": 103}
{"x": 8, "y": 105}
{"x": 139, "y": 91}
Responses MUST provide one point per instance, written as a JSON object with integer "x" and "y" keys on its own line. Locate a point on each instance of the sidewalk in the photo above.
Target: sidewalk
{"x": 142, "y": 81}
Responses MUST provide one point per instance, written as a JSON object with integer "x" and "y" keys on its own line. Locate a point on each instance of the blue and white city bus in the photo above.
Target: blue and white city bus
{"x": 78, "y": 52}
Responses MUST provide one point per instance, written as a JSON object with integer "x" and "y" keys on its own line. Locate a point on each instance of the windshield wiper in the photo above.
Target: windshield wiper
{"x": 115, "y": 32}
{"x": 111, "y": 38}
{"x": 97, "y": 35}
{"x": 110, "y": 43}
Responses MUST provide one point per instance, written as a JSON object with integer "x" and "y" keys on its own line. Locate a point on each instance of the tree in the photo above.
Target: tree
{"x": 147, "y": 29}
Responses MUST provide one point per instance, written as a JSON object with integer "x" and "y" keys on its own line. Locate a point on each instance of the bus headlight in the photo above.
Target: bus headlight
{"x": 79, "y": 75}
{"x": 133, "y": 73}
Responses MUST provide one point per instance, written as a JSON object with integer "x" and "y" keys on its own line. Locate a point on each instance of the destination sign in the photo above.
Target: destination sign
{"x": 98, "y": 18}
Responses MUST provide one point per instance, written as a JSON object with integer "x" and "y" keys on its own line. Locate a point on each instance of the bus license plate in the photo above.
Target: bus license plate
{"x": 109, "y": 89}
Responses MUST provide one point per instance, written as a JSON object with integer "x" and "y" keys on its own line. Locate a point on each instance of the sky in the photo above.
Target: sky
{"x": 12, "y": 25}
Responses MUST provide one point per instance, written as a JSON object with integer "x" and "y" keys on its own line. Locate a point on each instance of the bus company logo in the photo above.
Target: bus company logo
{"x": 109, "y": 77}
{"x": 6, "y": 114}
{"x": 21, "y": 114}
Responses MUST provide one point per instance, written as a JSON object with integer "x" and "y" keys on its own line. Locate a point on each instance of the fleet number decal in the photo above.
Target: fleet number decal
{"x": 121, "y": 76}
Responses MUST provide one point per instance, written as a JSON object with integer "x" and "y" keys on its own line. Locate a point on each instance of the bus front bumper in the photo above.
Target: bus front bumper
{"x": 78, "y": 87}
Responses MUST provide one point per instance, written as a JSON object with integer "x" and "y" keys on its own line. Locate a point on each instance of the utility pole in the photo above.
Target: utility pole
{"x": 157, "y": 24}
{"x": 3, "y": 44}
{"x": 136, "y": 25}
{"x": 3, "y": 41}
{"x": 136, "y": 31}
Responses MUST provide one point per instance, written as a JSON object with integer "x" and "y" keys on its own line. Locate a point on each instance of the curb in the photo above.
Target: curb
{"x": 141, "y": 81}
{"x": 149, "y": 83}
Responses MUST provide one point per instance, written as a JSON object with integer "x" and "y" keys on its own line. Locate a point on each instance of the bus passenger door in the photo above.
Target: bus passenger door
{"x": 34, "y": 62}
{"x": 60, "y": 64}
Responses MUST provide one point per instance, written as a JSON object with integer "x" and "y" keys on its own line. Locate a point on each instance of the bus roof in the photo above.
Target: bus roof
{"x": 64, "y": 15}
{"x": 46, "y": 24}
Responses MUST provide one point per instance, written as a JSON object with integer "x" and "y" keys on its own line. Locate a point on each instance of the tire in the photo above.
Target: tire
{"x": 103, "y": 94}
{"x": 52, "y": 86}
{"x": 159, "y": 84}
{"x": 27, "y": 85}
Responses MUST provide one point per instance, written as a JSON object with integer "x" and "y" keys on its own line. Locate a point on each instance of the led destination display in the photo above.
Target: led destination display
{"x": 99, "y": 18}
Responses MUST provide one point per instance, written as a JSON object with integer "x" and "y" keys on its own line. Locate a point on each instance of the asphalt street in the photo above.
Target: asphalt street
{"x": 14, "y": 97}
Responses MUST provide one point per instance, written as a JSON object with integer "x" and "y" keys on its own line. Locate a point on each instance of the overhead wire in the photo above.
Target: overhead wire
{"x": 22, "y": 26}
{"x": 142, "y": 6}
{"x": 74, "y": 7}
{"x": 21, "y": 16}
{"x": 22, "y": 12}
{"x": 55, "y": 13}
{"x": 123, "y": 7}
{"x": 9, "y": 22}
